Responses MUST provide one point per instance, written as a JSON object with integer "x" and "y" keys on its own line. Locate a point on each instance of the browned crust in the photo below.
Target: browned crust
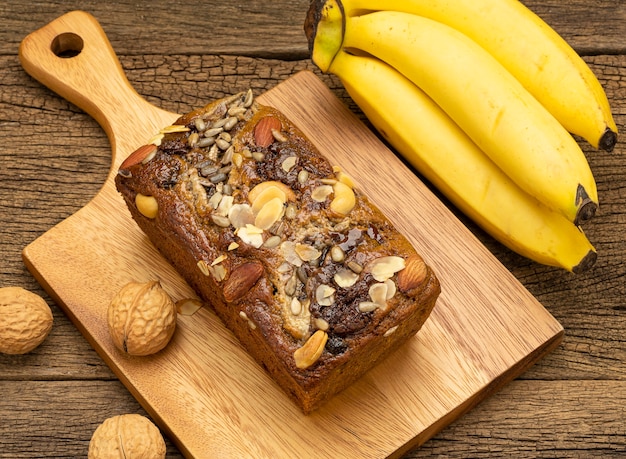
{"x": 183, "y": 240}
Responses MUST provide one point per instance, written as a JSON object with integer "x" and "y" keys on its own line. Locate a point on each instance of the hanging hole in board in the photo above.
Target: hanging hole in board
{"x": 67, "y": 45}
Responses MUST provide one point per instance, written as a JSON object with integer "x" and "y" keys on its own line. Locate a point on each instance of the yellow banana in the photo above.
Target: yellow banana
{"x": 487, "y": 102}
{"x": 442, "y": 152}
{"x": 530, "y": 49}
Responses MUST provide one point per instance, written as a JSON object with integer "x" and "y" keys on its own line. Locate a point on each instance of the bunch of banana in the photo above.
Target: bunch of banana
{"x": 485, "y": 113}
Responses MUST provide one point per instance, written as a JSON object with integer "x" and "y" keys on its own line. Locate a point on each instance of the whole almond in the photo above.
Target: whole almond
{"x": 413, "y": 274}
{"x": 241, "y": 280}
{"x": 138, "y": 155}
{"x": 263, "y": 135}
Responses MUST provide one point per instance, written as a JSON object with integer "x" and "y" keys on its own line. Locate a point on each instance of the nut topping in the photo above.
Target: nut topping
{"x": 384, "y": 268}
{"x": 266, "y": 196}
{"x": 312, "y": 350}
{"x": 344, "y": 200}
{"x": 263, "y": 135}
{"x": 413, "y": 274}
{"x": 269, "y": 214}
{"x": 307, "y": 252}
{"x": 147, "y": 205}
{"x": 325, "y": 295}
{"x": 255, "y": 192}
{"x": 346, "y": 278}
{"x": 320, "y": 193}
{"x": 142, "y": 154}
{"x": 241, "y": 280}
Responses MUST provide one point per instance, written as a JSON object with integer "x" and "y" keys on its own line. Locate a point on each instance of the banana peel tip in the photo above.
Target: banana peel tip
{"x": 608, "y": 140}
{"x": 586, "y": 263}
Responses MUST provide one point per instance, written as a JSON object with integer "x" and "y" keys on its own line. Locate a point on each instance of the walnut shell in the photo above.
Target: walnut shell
{"x": 141, "y": 318}
{"x": 127, "y": 435}
{"x": 25, "y": 320}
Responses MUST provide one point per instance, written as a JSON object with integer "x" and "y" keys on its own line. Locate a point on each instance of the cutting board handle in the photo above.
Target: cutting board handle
{"x": 73, "y": 57}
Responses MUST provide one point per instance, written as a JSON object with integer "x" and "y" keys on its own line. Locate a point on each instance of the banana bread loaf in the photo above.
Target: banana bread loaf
{"x": 309, "y": 275}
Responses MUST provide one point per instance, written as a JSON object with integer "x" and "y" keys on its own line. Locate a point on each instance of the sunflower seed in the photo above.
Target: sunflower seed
{"x": 206, "y": 142}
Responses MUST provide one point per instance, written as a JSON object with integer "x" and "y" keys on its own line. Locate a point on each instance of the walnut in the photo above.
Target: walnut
{"x": 25, "y": 320}
{"x": 127, "y": 435}
{"x": 141, "y": 318}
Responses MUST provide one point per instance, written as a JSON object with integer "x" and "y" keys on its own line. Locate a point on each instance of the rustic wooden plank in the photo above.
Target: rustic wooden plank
{"x": 57, "y": 419}
{"x": 269, "y": 29}
{"x": 591, "y": 307}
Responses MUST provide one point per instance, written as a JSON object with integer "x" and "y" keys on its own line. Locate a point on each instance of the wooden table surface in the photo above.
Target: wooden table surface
{"x": 179, "y": 56}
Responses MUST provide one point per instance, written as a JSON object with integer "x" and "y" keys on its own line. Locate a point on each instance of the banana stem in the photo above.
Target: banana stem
{"x": 324, "y": 27}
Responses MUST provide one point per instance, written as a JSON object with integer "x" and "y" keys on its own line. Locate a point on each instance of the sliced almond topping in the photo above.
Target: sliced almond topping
{"x": 265, "y": 196}
{"x": 378, "y": 294}
{"x": 250, "y": 235}
{"x": 325, "y": 295}
{"x": 320, "y": 193}
{"x": 312, "y": 350}
{"x": 174, "y": 128}
{"x": 391, "y": 289}
{"x": 203, "y": 267}
{"x": 390, "y": 331}
{"x": 346, "y": 278}
{"x": 219, "y": 272}
{"x": 226, "y": 203}
{"x": 215, "y": 199}
{"x": 289, "y": 163}
{"x": 188, "y": 306}
{"x": 307, "y": 252}
{"x": 258, "y": 189}
{"x": 232, "y": 246}
{"x": 269, "y": 214}
{"x": 384, "y": 268}
{"x": 218, "y": 260}
{"x": 241, "y": 215}
{"x": 288, "y": 249}
{"x": 156, "y": 139}
{"x": 367, "y": 306}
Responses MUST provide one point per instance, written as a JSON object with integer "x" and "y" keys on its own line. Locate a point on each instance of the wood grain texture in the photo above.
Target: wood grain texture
{"x": 466, "y": 351}
{"x": 570, "y": 405}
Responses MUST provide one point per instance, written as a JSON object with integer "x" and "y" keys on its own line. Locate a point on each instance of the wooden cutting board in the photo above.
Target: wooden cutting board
{"x": 203, "y": 390}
